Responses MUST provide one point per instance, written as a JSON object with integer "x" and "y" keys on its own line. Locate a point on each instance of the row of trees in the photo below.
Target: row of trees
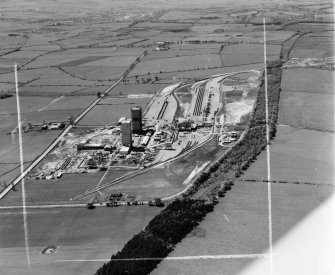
{"x": 158, "y": 238}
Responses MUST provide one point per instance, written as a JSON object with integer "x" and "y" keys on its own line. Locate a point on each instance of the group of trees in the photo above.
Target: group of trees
{"x": 158, "y": 238}
{"x": 4, "y": 95}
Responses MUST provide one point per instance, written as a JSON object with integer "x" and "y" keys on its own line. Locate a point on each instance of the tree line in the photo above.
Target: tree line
{"x": 158, "y": 238}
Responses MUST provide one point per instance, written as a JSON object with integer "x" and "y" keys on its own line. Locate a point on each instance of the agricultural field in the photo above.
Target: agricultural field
{"x": 98, "y": 75}
{"x": 314, "y": 45}
{"x": 164, "y": 26}
{"x": 308, "y": 80}
{"x": 304, "y": 90}
{"x": 239, "y": 225}
{"x": 182, "y": 50}
{"x": 57, "y": 191}
{"x": 298, "y": 155}
{"x": 242, "y": 54}
{"x": 110, "y": 110}
{"x": 77, "y": 233}
{"x": 301, "y": 109}
{"x": 310, "y": 27}
{"x": 136, "y": 89}
{"x": 208, "y": 37}
{"x": 177, "y": 15}
{"x": 226, "y": 69}
{"x": 33, "y": 143}
{"x": 177, "y": 64}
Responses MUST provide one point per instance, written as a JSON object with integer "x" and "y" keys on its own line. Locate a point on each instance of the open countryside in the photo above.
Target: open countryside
{"x": 144, "y": 134}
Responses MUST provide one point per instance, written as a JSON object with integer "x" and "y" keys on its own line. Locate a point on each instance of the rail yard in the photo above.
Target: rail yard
{"x": 178, "y": 119}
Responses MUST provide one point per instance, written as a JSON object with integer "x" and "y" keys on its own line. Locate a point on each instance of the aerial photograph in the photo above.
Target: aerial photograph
{"x": 190, "y": 137}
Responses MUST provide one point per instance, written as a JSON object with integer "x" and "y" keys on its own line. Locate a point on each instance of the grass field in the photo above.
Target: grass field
{"x": 57, "y": 191}
{"x": 310, "y": 27}
{"x": 244, "y": 232}
{"x": 176, "y": 15}
{"x": 305, "y": 90}
{"x": 177, "y": 64}
{"x": 226, "y": 69}
{"x": 298, "y": 155}
{"x": 33, "y": 144}
{"x": 208, "y": 37}
{"x": 241, "y": 54}
{"x": 314, "y": 46}
{"x": 302, "y": 109}
{"x": 110, "y": 110}
{"x": 180, "y": 51}
{"x": 308, "y": 80}
{"x": 36, "y": 109}
{"x": 132, "y": 89}
{"x": 95, "y": 73}
{"x": 270, "y": 35}
{"x": 78, "y": 233}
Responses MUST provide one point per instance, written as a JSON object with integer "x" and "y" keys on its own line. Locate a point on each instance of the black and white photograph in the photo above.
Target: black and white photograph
{"x": 167, "y": 137}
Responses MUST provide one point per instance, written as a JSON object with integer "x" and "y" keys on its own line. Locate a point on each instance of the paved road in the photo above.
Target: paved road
{"x": 61, "y": 136}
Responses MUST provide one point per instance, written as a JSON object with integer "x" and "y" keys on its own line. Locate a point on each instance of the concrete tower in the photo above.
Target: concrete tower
{"x": 126, "y": 132}
{"x": 136, "y": 119}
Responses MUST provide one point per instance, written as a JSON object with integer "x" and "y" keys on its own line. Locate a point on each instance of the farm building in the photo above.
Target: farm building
{"x": 161, "y": 46}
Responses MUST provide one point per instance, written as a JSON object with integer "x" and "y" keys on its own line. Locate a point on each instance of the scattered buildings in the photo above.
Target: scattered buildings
{"x": 124, "y": 150}
{"x": 121, "y": 120}
{"x": 161, "y": 46}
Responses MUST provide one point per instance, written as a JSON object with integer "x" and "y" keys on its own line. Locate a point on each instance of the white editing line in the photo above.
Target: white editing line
{"x": 24, "y": 210}
{"x": 202, "y": 257}
{"x": 226, "y": 218}
{"x": 268, "y": 153}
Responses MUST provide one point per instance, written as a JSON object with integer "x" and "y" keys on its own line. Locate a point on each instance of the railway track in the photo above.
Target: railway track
{"x": 163, "y": 109}
{"x": 18, "y": 179}
{"x": 198, "y": 102}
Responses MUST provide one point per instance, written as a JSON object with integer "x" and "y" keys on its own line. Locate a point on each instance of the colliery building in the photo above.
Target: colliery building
{"x": 126, "y": 132}
{"x": 136, "y": 119}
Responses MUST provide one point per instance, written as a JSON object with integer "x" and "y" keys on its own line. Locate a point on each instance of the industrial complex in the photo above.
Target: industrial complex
{"x": 179, "y": 118}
